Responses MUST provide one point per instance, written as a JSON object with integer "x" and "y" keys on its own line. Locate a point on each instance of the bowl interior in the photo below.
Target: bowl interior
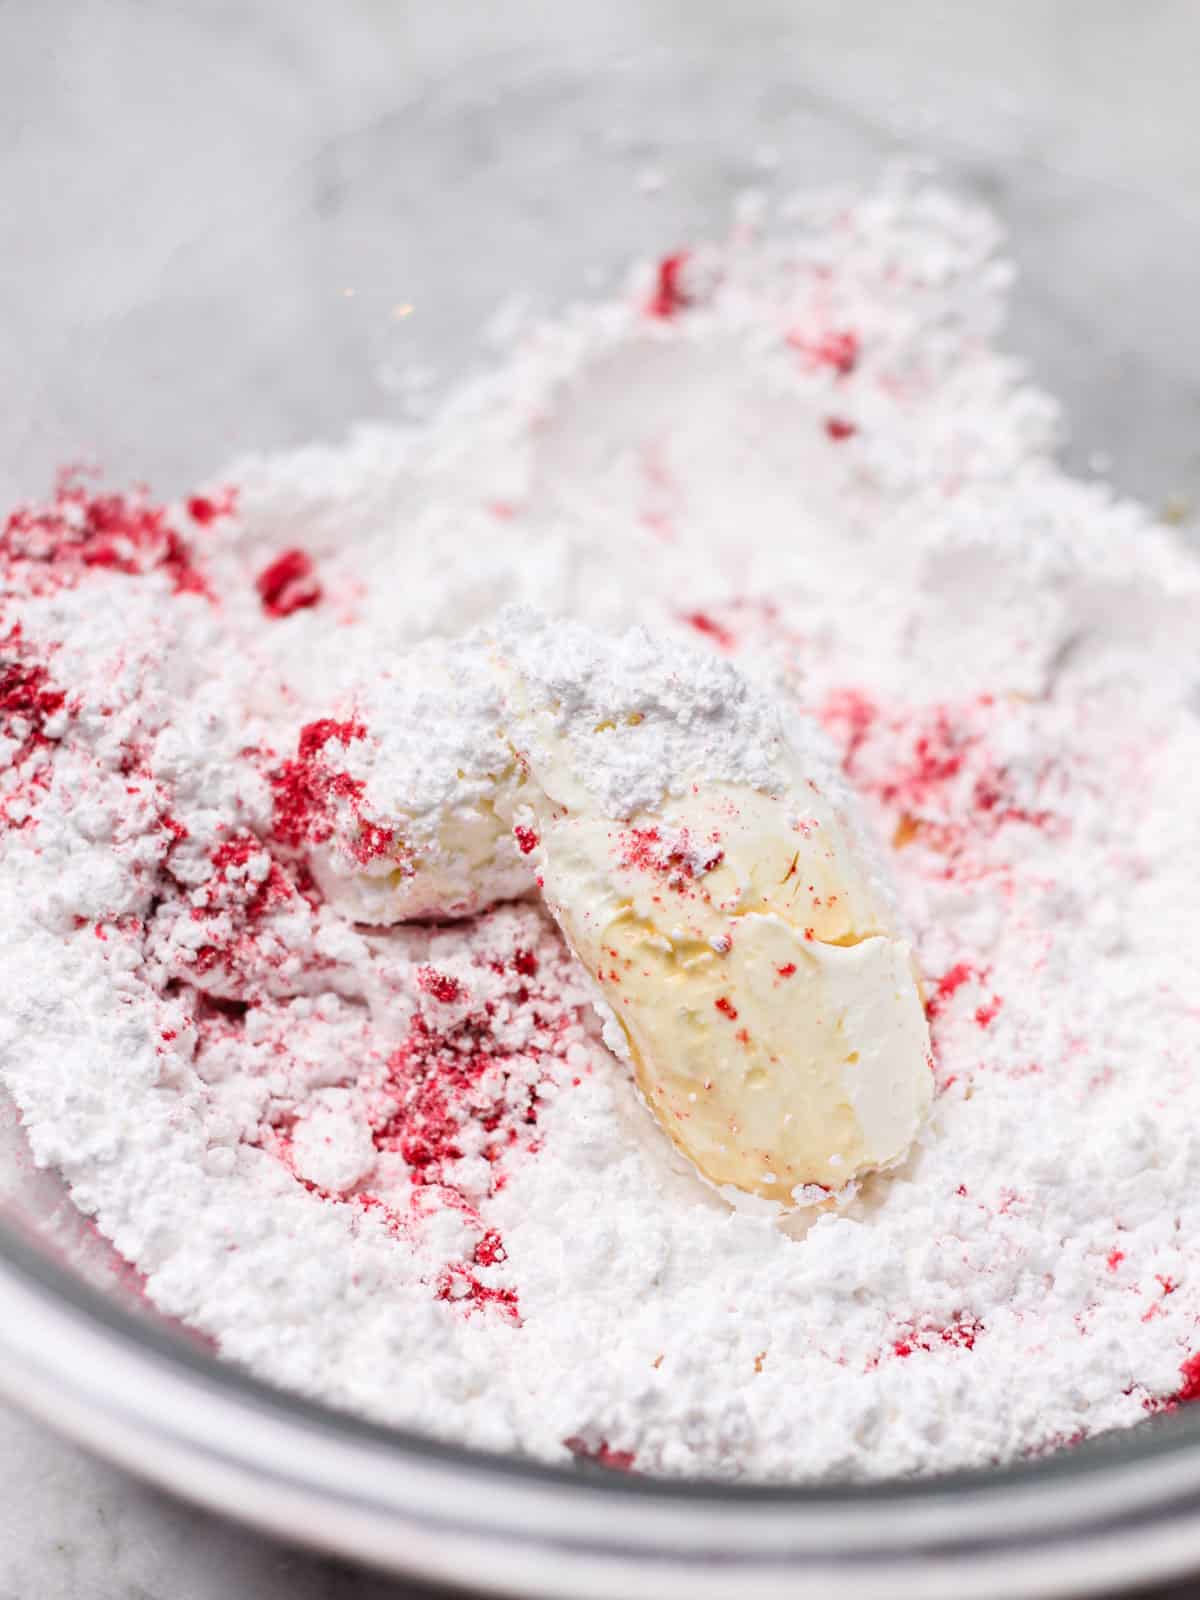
{"x": 291, "y": 275}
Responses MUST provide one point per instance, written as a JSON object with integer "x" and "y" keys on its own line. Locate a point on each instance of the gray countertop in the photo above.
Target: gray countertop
{"x": 73, "y": 1528}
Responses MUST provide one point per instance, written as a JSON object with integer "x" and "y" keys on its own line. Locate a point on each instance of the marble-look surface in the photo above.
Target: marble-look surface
{"x": 189, "y": 189}
{"x": 73, "y": 1528}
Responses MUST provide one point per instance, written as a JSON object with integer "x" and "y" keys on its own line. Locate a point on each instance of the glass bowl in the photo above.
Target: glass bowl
{"x": 243, "y": 204}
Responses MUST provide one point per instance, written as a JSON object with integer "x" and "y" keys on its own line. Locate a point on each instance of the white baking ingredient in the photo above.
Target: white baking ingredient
{"x": 399, "y": 1170}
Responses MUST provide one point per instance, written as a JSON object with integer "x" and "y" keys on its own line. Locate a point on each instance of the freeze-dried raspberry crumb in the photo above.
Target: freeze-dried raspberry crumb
{"x": 79, "y": 531}
{"x": 440, "y": 985}
{"x": 711, "y": 629}
{"x": 669, "y": 295}
{"x": 289, "y": 584}
{"x": 602, "y": 1454}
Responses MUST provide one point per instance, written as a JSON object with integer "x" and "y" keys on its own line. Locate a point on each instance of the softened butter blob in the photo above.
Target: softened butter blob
{"x": 774, "y": 1018}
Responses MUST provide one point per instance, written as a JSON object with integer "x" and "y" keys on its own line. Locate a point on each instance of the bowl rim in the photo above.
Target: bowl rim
{"x": 1126, "y": 1504}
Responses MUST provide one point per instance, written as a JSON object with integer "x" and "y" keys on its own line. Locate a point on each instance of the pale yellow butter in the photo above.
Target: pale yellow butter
{"x": 774, "y": 1020}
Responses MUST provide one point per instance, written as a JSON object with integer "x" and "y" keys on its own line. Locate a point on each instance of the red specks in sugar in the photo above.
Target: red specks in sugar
{"x": 1189, "y": 1389}
{"x": 289, "y": 584}
{"x": 985, "y": 1015}
{"x": 672, "y": 854}
{"x": 849, "y": 716}
{"x": 207, "y": 509}
{"x": 602, "y": 1454}
{"x": 459, "y": 1285}
{"x": 490, "y": 1251}
{"x": 28, "y": 701}
{"x": 81, "y": 531}
{"x": 703, "y": 623}
{"x": 33, "y": 714}
{"x": 946, "y": 987}
{"x": 838, "y": 350}
{"x": 440, "y": 985}
{"x": 669, "y": 297}
{"x": 310, "y": 788}
{"x": 960, "y": 1334}
{"x": 934, "y": 776}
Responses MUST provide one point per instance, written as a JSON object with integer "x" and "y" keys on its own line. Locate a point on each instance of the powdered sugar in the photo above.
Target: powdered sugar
{"x": 399, "y": 1170}
{"x": 640, "y": 721}
{"x": 411, "y": 799}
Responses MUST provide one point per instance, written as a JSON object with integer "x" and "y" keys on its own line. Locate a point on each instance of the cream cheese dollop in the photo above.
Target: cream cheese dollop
{"x": 704, "y": 866}
{"x": 773, "y": 1016}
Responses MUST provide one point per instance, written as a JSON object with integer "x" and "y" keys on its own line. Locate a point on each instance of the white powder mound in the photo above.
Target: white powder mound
{"x": 399, "y": 1170}
{"x": 667, "y": 716}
